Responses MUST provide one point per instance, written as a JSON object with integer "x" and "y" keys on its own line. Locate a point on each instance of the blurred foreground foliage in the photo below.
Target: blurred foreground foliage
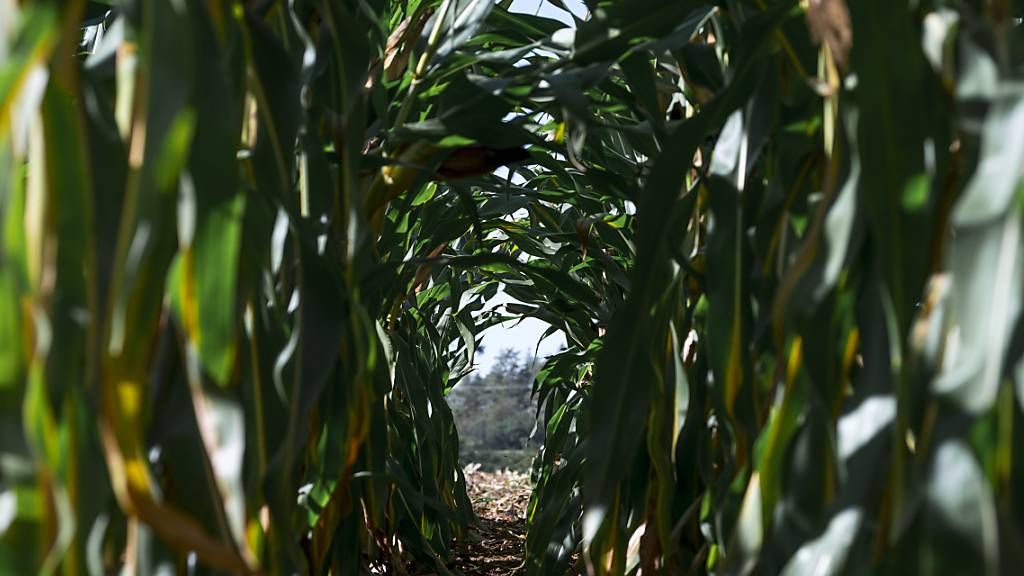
{"x": 245, "y": 249}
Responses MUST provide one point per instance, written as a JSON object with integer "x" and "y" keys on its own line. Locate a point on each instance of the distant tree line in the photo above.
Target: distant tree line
{"x": 496, "y": 414}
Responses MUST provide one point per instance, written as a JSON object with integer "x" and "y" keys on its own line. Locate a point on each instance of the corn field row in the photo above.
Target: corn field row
{"x": 247, "y": 249}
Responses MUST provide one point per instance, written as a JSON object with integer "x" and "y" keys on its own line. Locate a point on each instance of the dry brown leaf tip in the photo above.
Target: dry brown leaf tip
{"x": 829, "y": 23}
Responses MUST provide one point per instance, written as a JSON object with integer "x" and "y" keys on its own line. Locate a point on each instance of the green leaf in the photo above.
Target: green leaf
{"x": 12, "y": 361}
{"x": 962, "y": 527}
{"x": 208, "y": 299}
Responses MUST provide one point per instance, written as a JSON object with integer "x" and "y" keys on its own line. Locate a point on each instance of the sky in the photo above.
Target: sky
{"x": 523, "y": 336}
{"x": 543, "y": 8}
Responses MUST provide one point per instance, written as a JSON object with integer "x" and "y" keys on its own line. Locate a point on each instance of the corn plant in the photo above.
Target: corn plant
{"x": 248, "y": 247}
{"x": 815, "y": 368}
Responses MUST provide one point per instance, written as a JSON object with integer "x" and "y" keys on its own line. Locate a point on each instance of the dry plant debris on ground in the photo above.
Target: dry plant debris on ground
{"x": 494, "y": 546}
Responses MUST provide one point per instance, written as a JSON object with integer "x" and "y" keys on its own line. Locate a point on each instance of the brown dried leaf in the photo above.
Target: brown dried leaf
{"x": 400, "y": 44}
{"x": 829, "y": 23}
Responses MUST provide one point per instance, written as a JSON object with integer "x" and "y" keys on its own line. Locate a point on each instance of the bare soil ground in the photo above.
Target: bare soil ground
{"x": 495, "y": 544}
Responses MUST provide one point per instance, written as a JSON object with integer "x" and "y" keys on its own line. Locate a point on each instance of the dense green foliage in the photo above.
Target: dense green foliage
{"x": 246, "y": 249}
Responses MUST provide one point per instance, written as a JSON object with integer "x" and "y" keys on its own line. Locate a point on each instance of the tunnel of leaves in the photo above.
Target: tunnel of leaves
{"x": 247, "y": 249}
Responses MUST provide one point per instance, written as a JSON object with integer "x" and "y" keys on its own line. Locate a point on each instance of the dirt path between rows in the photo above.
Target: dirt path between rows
{"x": 495, "y": 543}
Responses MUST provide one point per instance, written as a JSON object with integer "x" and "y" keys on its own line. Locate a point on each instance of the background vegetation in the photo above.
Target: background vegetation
{"x": 497, "y": 416}
{"x": 246, "y": 248}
